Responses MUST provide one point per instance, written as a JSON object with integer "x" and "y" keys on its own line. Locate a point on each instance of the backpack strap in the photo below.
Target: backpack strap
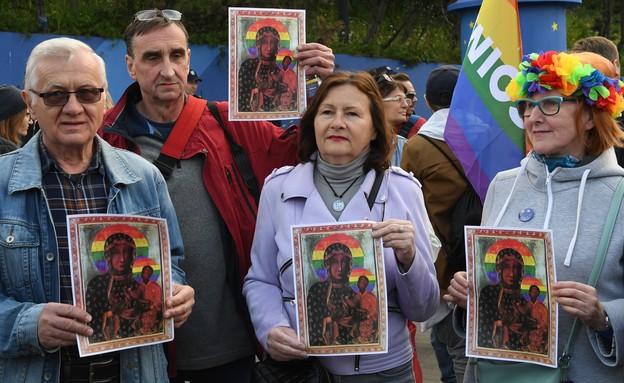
{"x": 240, "y": 157}
{"x": 430, "y": 140}
{"x": 184, "y": 126}
{"x": 603, "y": 246}
{"x": 374, "y": 190}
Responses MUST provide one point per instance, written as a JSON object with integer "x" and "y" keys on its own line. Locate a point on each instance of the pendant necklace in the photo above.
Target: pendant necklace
{"x": 339, "y": 204}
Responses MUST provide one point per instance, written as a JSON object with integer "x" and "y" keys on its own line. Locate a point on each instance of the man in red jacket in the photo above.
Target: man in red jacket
{"x": 216, "y": 210}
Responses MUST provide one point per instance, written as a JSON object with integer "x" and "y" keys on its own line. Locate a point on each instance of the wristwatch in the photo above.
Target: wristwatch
{"x": 607, "y": 325}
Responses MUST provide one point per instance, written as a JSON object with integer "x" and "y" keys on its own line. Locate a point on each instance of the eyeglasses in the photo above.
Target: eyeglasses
{"x": 61, "y": 97}
{"x": 549, "y": 106}
{"x": 400, "y": 99}
{"x": 151, "y": 14}
{"x": 411, "y": 96}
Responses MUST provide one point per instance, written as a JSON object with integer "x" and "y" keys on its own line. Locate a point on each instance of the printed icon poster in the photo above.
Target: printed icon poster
{"x": 265, "y": 82}
{"x": 340, "y": 289}
{"x": 511, "y": 312}
{"x": 121, "y": 276}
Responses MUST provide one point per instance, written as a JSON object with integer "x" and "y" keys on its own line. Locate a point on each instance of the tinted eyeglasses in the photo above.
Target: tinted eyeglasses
{"x": 61, "y": 97}
{"x": 151, "y": 14}
{"x": 400, "y": 99}
{"x": 549, "y": 106}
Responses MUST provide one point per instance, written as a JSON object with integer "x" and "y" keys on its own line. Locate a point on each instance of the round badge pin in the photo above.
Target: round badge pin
{"x": 526, "y": 214}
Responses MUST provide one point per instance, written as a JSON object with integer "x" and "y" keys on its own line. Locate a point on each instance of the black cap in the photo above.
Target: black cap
{"x": 11, "y": 101}
{"x": 192, "y": 76}
{"x": 440, "y": 85}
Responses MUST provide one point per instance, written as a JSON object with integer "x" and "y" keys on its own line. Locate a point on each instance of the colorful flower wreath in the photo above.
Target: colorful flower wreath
{"x": 540, "y": 73}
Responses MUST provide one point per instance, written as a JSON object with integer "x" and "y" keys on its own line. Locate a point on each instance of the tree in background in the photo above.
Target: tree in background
{"x": 413, "y": 31}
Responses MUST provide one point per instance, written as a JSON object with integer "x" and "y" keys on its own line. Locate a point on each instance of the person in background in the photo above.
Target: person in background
{"x": 109, "y": 100}
{"x": 442, "y": 187}
{"x": 394, "y": 100}
{"x": 345, "y": 141}
{"x": 395, "y": 108}
{"x": 602, "y": 46}
{"x": 14, "y": 118}
{"x": 216, "y": 210}
{"x": 567, "y": 182}
{"x": 414, "y": 121}
{"x": 607, "y": 49}
{"x": 66, "y": 169}
{"x": 192, "y": 82}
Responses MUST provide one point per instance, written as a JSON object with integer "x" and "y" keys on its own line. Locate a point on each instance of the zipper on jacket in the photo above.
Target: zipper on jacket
{"x": 241, "y": 189}
{"x": 357, "y": 363}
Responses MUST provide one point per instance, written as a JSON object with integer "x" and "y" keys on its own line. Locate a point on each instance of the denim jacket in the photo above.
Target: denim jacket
{"x": 29, "y": 265}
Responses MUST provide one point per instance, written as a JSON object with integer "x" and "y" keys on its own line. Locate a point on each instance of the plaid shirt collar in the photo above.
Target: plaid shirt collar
{"x": 48, "y": 163}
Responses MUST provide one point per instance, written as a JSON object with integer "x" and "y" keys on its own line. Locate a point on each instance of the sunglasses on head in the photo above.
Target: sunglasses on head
{"x": 382, "y": 78}
{"x": 151, "y": 14}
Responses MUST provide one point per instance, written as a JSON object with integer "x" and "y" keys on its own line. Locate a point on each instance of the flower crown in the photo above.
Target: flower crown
{"x": 540, "y": 73}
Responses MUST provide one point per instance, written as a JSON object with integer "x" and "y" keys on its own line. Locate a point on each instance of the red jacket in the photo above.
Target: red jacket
{"x": 266, "y": 145}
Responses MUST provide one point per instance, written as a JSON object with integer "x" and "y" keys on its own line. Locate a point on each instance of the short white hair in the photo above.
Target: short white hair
{"x": 58, "y": 47}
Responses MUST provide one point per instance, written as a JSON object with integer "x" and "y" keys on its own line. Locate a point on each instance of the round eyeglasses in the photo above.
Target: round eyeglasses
{"x": 400, "y": 99}
{"x": 61, "y": 97}
{"x": 151, "y": 14}
{"x": 549, "y": 106}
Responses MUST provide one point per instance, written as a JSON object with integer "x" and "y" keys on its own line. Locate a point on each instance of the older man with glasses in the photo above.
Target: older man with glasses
{"x": 65, "y": 169}
{"x": 216, "y": 209}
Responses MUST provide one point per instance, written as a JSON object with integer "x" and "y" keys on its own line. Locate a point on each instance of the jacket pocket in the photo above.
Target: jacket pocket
{"x": 19, "y": 265}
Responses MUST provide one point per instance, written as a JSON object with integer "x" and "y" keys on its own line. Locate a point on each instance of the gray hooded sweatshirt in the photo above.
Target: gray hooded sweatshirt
{"x": 573, "y": 203}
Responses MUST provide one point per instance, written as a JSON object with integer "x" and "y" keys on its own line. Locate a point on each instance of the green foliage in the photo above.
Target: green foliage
{"x": 589, "y": 18}
{"x": 413, "y": 31}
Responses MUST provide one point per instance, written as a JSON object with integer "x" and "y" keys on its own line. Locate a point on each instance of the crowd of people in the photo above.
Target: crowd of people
{"x": 232, "y": 295}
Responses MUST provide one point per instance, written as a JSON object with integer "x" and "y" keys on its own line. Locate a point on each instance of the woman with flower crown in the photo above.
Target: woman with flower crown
{"x": 568, "y": 103}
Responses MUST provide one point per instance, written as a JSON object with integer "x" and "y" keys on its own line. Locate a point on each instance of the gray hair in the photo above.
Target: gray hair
{"x": 63, "y": 47}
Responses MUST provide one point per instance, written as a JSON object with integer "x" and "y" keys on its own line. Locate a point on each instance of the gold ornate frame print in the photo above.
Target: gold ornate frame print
{"x": 121, "y": 276}
{"x": 265, "y": 81}
{"x": 340, "y": 289}
{"x": 511, "y": 313}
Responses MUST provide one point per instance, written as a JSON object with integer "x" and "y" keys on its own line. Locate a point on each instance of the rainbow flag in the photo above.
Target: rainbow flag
{"x": 483, "y": 128}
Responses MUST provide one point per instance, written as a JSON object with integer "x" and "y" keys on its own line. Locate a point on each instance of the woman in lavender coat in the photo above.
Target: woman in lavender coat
{"x": 344, "y": 141}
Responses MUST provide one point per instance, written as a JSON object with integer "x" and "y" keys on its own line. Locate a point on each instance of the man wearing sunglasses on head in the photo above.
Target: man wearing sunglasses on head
{"x": 65, "y": 169}
{"x": 216, "y": 210}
